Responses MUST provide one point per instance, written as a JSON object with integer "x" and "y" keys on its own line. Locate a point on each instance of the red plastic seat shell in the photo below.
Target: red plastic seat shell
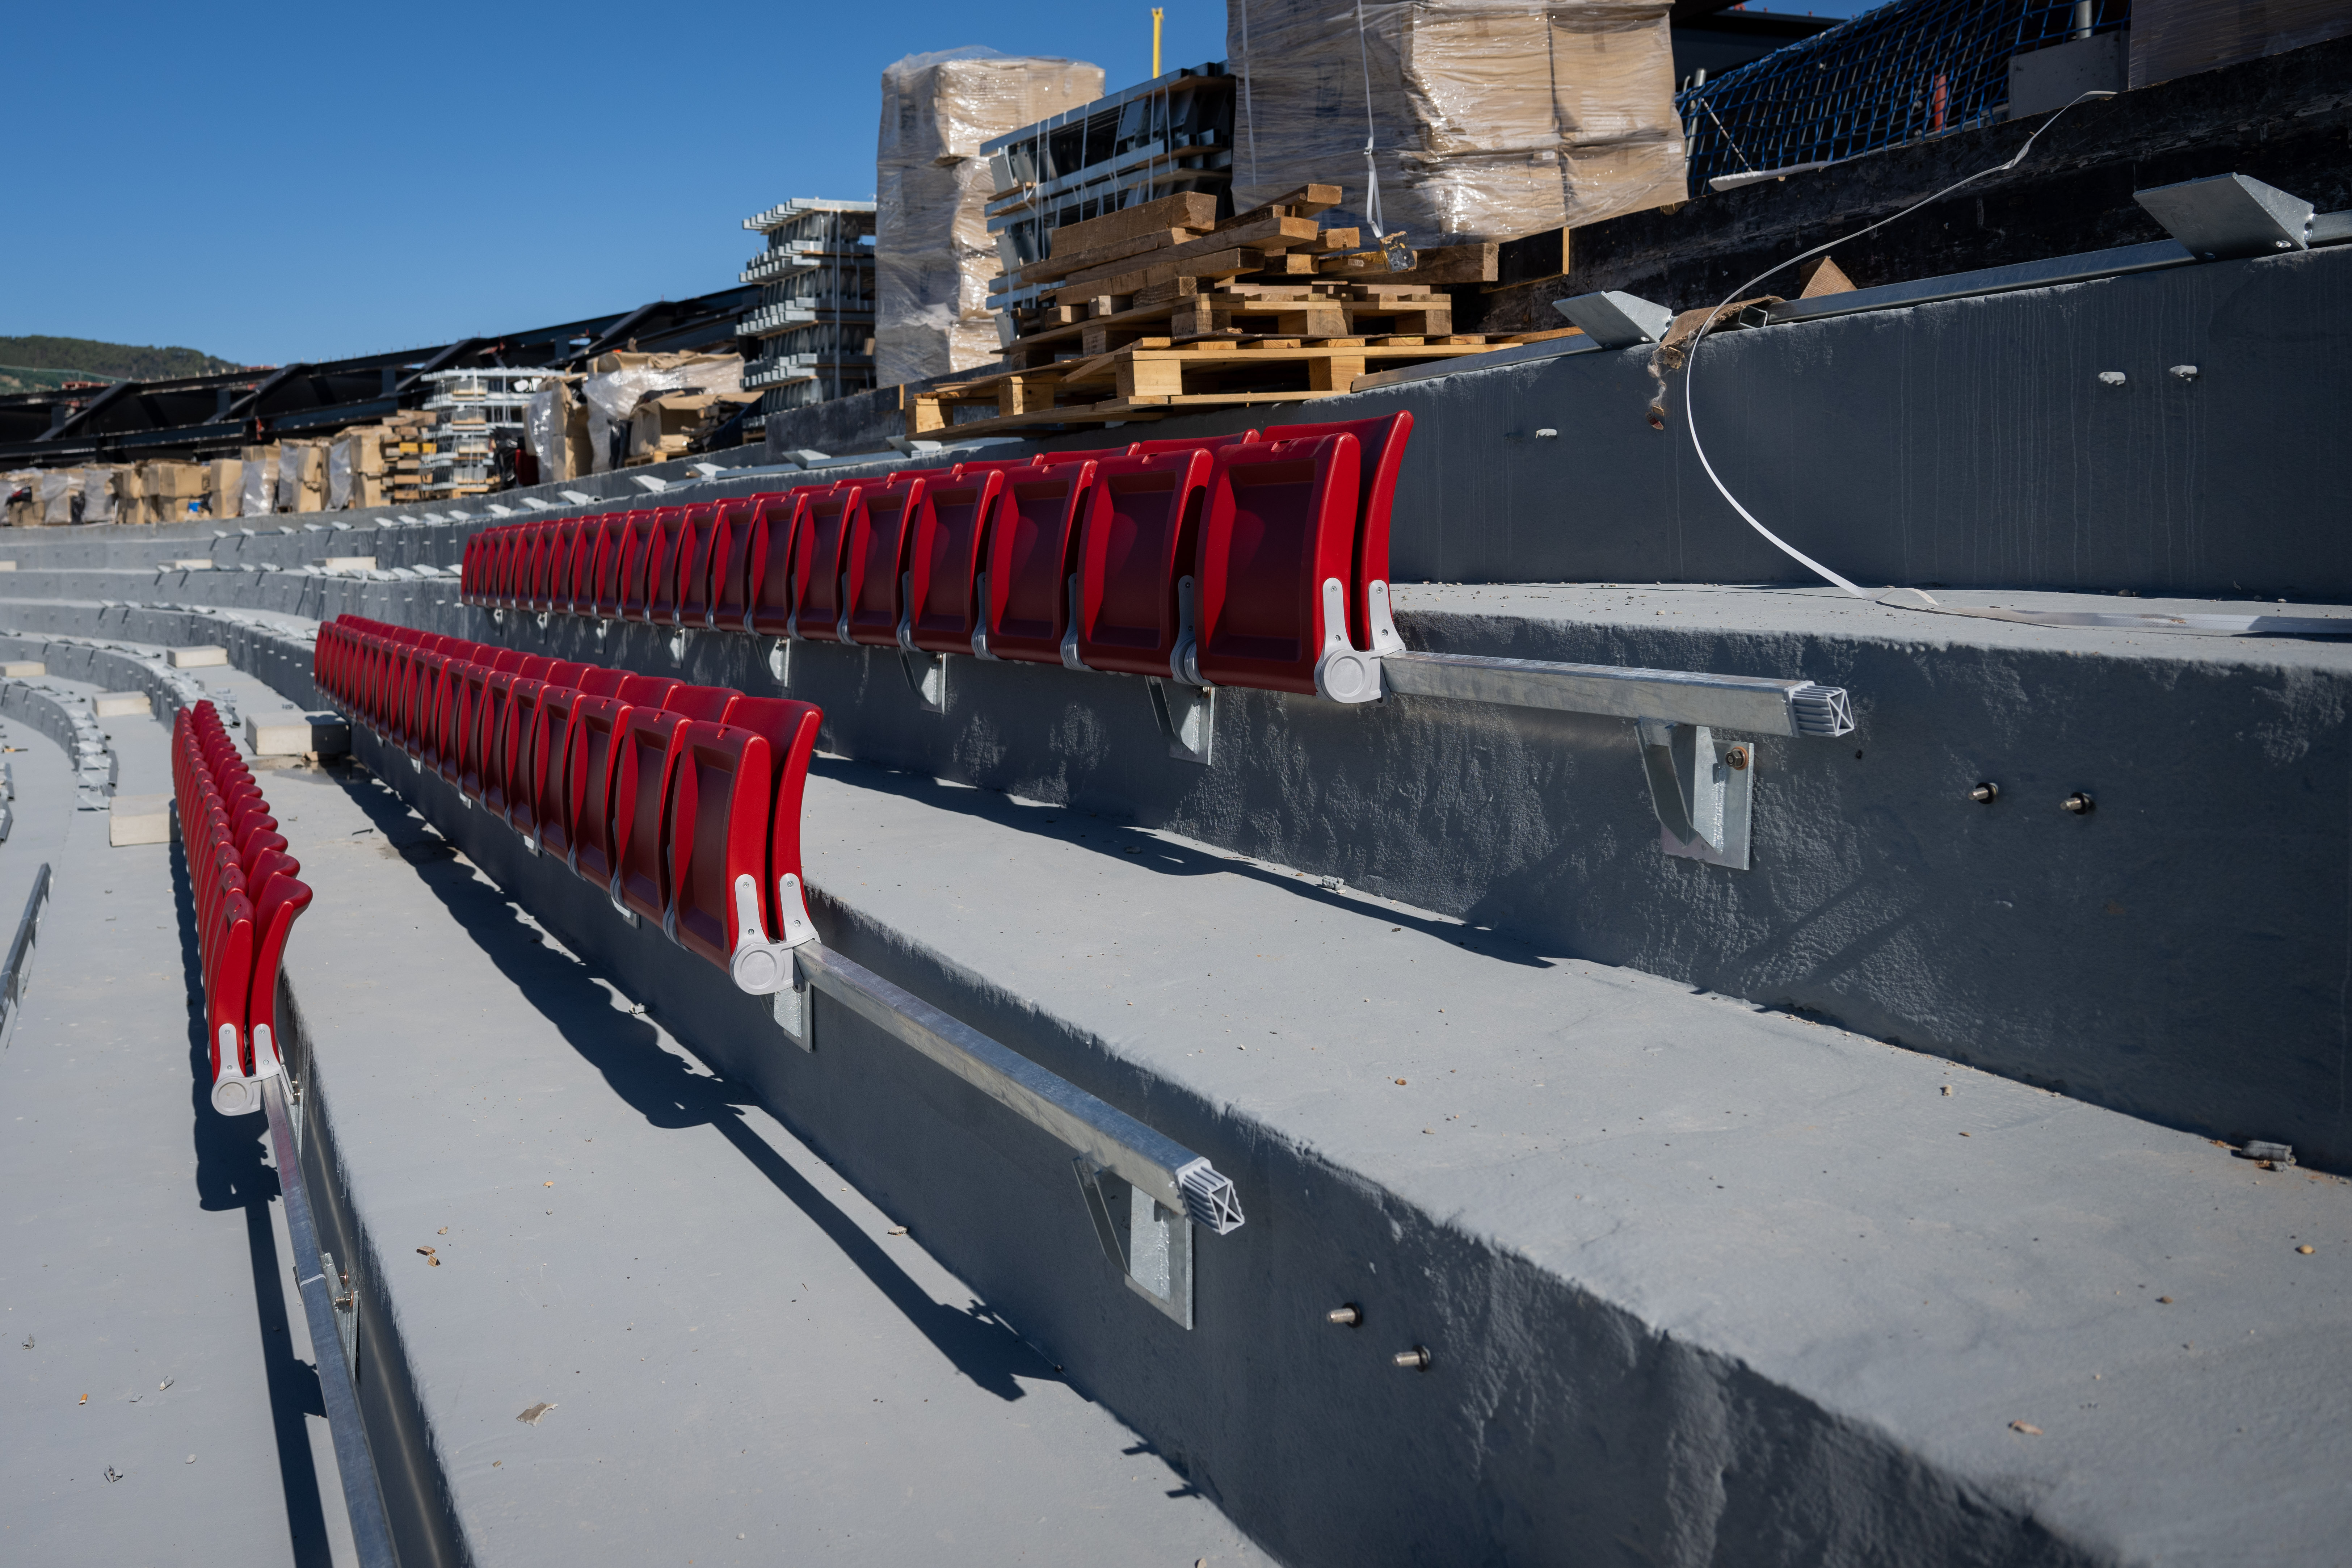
{"x": 1280, "y": 523}
{"x": 1141, "y": 534}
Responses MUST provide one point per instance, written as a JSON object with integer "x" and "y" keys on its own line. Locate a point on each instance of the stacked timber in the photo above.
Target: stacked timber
{"x": 1165, "y": 308}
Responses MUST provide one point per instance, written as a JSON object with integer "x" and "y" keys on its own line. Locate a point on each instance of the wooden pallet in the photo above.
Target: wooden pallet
{"x": 1156, "y": 377}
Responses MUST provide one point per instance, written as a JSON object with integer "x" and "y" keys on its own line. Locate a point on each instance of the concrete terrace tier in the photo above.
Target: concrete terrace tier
{"x": 1663, "y": 1247}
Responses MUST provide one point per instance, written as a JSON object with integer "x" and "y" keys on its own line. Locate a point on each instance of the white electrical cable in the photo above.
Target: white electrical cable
{"x": 1690, "y": 356}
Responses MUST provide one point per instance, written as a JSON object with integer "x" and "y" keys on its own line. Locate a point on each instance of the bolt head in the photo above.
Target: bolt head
{"x": 2078, "y": 803}
{"x": 1985, "y": 794}
{"x": 1737, "y": 758}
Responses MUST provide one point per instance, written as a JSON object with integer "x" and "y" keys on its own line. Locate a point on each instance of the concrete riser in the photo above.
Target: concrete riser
{"x": 1559, "y": 1419}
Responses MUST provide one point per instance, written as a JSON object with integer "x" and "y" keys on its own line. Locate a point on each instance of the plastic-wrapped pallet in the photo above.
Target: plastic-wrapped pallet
{"x": 933, "y": 253}
{"x": 1490, "y": 118}
{"x": 223, "y": 487}
{"x": 555, "y": 431}
{"x": 97, "y": 495}
{"x": 260, "y": 497}
{"x": 61, "y": 490}
{"x": 617, "y": 382}
{"x": 301, "y": 476}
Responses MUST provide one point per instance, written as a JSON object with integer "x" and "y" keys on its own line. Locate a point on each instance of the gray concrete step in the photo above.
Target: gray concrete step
{"x": 160, "y": 1403}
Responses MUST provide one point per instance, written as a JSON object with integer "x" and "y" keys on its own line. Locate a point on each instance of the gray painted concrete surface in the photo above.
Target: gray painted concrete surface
{"x": 145, "y": 1265}
{"x": 745, "y": 1363}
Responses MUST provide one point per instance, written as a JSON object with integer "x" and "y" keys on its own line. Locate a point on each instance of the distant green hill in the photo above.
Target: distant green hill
{"x": 104, "y": 362}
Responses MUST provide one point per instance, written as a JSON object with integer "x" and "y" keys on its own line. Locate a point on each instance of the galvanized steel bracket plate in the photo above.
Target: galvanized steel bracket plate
{"x": 1702, "y": 790}
{"x": 1151, "y": 1244}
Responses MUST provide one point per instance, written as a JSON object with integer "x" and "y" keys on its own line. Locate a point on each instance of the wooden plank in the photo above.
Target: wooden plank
{"x": 1218, "y": 264}
{"x": 1304, "y": 202}
{"x": 1445, "y": 264}
{"x": 1272, "y": 235}
{"x": 1047, "y": 271}
{"x": 1187, "y": 209}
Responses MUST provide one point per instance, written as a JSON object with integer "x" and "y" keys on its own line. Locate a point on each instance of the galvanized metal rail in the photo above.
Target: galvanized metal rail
{"x": 20, "y": 951}
{"x": 354, "y": 1462}
{"x": 1749, "y": 704}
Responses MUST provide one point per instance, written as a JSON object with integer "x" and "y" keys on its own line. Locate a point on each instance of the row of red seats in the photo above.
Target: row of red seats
{"x": 1239, "y": 560}
{"x": 247, "y": 897}
{"x": 682, "y": 802}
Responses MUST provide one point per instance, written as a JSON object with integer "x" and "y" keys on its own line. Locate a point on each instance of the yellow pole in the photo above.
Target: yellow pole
{"x": 1155, "y": 40}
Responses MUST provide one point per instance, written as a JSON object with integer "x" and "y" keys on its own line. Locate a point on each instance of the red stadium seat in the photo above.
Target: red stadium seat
{"x": 771, "y": 571}
{"x": 1141, "y": 533}
{"x": 1381, "y": 444}
{"x": 947, "y": 558}
{"x": 1031, "y": 552}
{"x": 664, "y": 572}
{"x": 1276, "y": 546}
{"x": 820, "y": 551}
{"x": 730, "y": 605}
{"x": 591, "y": 751}
{"x": 735, "y": 811}
{"x": 874, "y": 560}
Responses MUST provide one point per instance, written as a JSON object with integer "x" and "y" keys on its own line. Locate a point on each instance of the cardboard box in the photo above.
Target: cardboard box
{"x": 223, "y": 487}
{"x": 201, "y": 656}
{"x": 139, "y": 819}
{"x": 121, "y": 704}
{"x": 297, "y": 734}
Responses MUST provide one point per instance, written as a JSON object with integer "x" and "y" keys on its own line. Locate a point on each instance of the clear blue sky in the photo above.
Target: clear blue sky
{"x": 272, "y": 183}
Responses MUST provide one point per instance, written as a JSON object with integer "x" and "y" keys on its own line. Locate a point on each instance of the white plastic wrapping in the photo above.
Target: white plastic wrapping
{"x": 1491, "y": 119}
{"x": 542, "y": 431}
{"x": 340, "y": 459}
{"x": 621, "y": 380}
{"x": 260, "y": 495}
{"x": 933, "y": 257}
{"x": 97, "y": 495}
{"x": 60, "y": 488}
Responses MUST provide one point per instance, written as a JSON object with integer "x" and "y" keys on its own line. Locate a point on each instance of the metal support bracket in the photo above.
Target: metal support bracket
{"x": 757, "y": 965}
{"x": 927, "y": 677}
{"x": 1070, "y": 659}
{"x": 1151, "y": 1244}
{"x": 1343, "y": 672}
{"x": 1186, "y": 716}
{"x": 779, "y": 661}
{"x": 1702, "y": 790}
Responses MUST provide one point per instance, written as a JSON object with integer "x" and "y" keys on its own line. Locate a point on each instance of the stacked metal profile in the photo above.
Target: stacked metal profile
{"x": 814, "y": 328}
{"x": 473, "y": 408}
{"x": 1911, "y": 70}
{"x": 1173, "y": 133}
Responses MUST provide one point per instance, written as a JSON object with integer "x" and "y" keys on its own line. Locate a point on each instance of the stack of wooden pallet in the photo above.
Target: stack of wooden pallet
{"x": 1164, "y": 307}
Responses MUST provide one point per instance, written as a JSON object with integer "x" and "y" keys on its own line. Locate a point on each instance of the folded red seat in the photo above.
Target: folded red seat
{"x": 1031, "y": 558}
{"x": 1141, "y": 533}
{"x": 874, "y": 558}
{"x": 819, "y": 613}
{"x": 1380, "y": 447}
{"x": 1275, "y": 551}
{"x": 771, "y": 569}
{"x": 737, "y": 897}
{"x": 945, "y": 561}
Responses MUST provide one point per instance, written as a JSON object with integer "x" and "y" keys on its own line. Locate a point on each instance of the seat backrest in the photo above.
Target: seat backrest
{"x": 790, "y": 728}
{"x": 644, "y": 691}
{"x": 566, "y": 672}
{"x": 646, "y": 545}
{"x": 603, "y": 590}
{"x": 720, "y": 798}
{"x": 771, "y": 571}
{"x": 1092, "y": 455}
{"x": 561, "y": 561}
{"x": 1031, "y": 552}
{"x": 947, "y": 556}
{"x": 1379, "y": 449}
{"x": 875, "y": 558}
{"x": 703, "y": 534}
{"x": 1279, "y": 526}
{"x": 599, "y": 680}
{"x": 490, "y": 745}
{"x": 665, "y": 569}
{"x": 1141, "y": 531}
{"x": 522, "y": 754}
{"x": 534, "y": 666}
{"x": 818, "y": 562}
{"x": 729, "y": 601}
{"x": 708, "y": 703}
{"x": 590, "y": 753}
{"x": 641, "y": 786}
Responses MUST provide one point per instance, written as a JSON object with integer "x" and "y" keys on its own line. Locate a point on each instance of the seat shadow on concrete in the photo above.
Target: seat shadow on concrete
{"x": 232, "y": 1174}
{"x": 659, "y": 1085}
{"x": 1132, "y": 843}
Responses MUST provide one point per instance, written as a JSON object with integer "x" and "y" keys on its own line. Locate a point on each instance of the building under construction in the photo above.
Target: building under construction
{"x": 1706, "y": 926}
